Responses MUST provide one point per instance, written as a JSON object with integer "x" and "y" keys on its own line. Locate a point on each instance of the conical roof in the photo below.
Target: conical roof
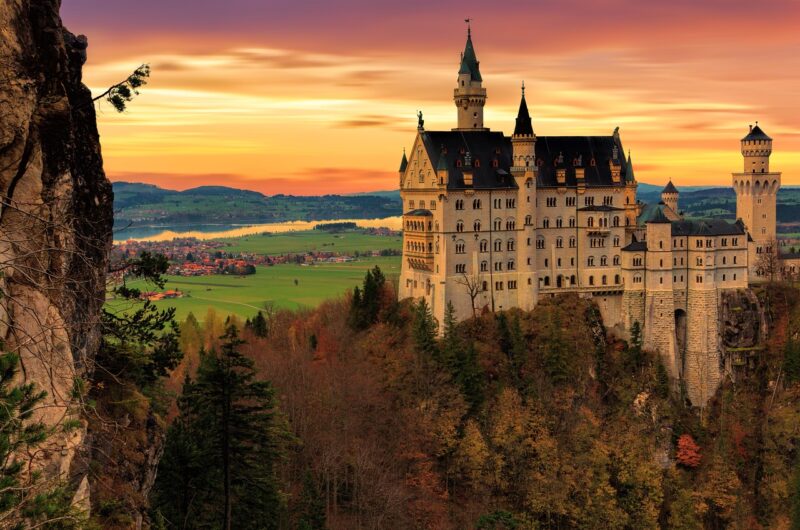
{"x": 670, "y": 188}
{"x": 403, "y": 162}
{"x": 756, "y": 134}
{"x": 524, "y": 125}
{"x": 629, "y": 177}
{"x": 469, "y": 61}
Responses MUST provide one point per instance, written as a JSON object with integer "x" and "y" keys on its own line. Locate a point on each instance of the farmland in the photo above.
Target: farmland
{"x": 286, "y": 286}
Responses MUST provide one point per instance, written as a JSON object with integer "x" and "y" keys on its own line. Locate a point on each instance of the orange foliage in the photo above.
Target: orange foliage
{"x": 688, "y": 453}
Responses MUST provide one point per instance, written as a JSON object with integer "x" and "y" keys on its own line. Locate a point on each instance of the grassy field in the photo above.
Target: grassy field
{"x": 245, "y": 295}
{"x": 319, "y": 240}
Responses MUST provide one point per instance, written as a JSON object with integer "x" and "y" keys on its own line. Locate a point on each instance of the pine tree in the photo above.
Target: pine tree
{"x": 634, "y": 354}
{"x": 311, "y": 507}
{"x": 259, "y": 325}
{"x": 424, "y": 330}
{"x": 518, "y": 349}
{"x": 469, "y": 376}
{"x": 555, "y": 354}
{"x": 451, "y": 343}
{"x": 22, "y": 503}
{"x": 356, "y": 320}
{"x": 662, "y": 380}
{"x": 230, "y": 416}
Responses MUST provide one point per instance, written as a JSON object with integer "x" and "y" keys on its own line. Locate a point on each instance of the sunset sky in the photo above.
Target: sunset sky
{"x": 312, "y": 97}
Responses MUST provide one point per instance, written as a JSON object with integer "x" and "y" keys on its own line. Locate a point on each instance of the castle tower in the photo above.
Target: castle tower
{"x": 756, "y": 192}
{"x": 669, "y": 196}
{"x": 403, "y": 167}
{"x": 659, "y": 330}
{"x": 469, "y": 94}
{"x": 523, "y": 169}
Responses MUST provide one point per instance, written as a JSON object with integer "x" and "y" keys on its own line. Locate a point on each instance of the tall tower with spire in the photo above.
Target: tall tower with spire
{"x": 469, "y": 94}
{"x": 756, "y": 193}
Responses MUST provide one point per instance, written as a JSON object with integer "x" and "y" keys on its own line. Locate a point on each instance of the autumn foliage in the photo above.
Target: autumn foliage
{"x": 688, "y": 452}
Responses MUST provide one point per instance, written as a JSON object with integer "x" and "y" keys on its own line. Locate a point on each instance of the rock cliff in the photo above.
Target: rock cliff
{"x": 55, "y": 219}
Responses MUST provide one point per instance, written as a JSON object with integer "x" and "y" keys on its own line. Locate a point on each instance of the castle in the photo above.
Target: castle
{"x": 492, "y": 222}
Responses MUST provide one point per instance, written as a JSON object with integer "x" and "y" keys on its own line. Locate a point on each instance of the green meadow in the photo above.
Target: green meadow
{"x": 286, "y": 286}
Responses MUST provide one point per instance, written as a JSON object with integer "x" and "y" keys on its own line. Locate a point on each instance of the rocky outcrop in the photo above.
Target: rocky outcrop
{"x": 55, "y": 219}
{"x": 742, "y": 328}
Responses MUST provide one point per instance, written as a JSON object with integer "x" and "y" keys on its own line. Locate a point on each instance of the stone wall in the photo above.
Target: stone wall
{"x": 659, "y": 329}
{"x": 702, "y": 362}
{"x": 55, "y": 218}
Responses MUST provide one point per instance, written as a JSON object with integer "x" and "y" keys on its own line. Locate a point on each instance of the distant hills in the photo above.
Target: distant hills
{"x": 146, "y": 205}
{"x": 137, "y": 204}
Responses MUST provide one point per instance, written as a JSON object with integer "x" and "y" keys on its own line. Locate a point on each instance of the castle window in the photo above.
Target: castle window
{"x": 498, "y": 286}
{"x": 545, "y": 223}
{"x": 458, "y": 163}
{"x": 559, "y": 222}
{"x": 699, "y": 261}
{"x": 590, "y": 261}
{"x": 460, "y": 247}
{"x": 616, "y": 279}
{"x": 498, "y": 266}
{"x": 476, "y": 226}
{"x": 546, "y": 262}
{"x": 498, "y": 203}
{"x": 660, "y": 244}
{"x": 724, "y": 260}
{"x": 572, "y": 222}
{"x": 724, "y": 242}
{"x": 411, "y": 204}
{"x": 511, "y": 265}
{"x": 498, "y": 245}
{"x": 735, "y": 241}
{"x": 459, "y": 204}
{"x": 590, "y": 222}
{"x": 571, "y": 262}
{"x": 476, "y": 204}
{"x": 529, "y": 241}
{"x": 573, "y": 242}
{"x": 605, "y": 280}
{"x": 461, "y": 268}
{"x": 484, "y": 246}
{"x": 699, "y": 278}
{"x": 484, "y": 266}
{"x": 734, "y": 276}
{"x": 616, "y": 221}
{"x": 723, "y": 277}
{"x": 512, "y": 284}
{"x": 637, "y": 262}
{"x": 511, "y": 224}
{"x": 495, "y": 163}
{"x": 551, "y": 202}
{"x": 559, "y": 242}
{"x": 734, "y": 261}
{"x": 510, "y": 244}
{"x": 571, "y": 201}
{"x": 698, "y": 243}
{"x": 603, "y": 261}
{"x": 459, "y": 226}
{"x": 616, "y": 260}
{"x": 540, "y": 242}
{"x": 558, "y": 262}
{"x": 591, "y": 280}
{"x": 528, "y": 220}
{"x": 546, "y": 281}
{"x": 485, "y": 286}
{"x": 588, "y": 201}
{"x": 476, "y": 163}
{"x": 498, "y": 224}
{"x": 433, "y": 205}
{"x": 572, "y": 280}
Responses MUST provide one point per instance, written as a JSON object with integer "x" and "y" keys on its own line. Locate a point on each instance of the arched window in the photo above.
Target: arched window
{"x": 590, "y": 222}
{"x": 459, "y": 204}
{"x": 559, "y": 222}
{"x": 559, "y": 242}
{"x": 476, "y": 204}
{"x": 591, "y": 280}
{"x": 573, "y": 242}
{"x": 459, "y": 226}
{"x": 511, "y": 224}
{"x": 498, "y": 245}
{"x": 476, "y": 226}
{"x": 540, "y": 242}
{"x": 484, "y": 246}
{"x": 460, "y": 247}
{"x": 528, "y": 220}
{"x": 545, "y": 223}
{"x": 616, "y": 260}
{"x": 616, "y": 220}
{"x": 590, "y": 261}
{"x": 484, "y": 266}
{"x": 572, "y": 222}
{"x": 616, "y": 279}
{"x": 605, "y": 280}
{"x": 603, "y": 261}
{"x": 498, "y": 224}
{"x": 547, "y": 281}
{"x": 510, "y": 244}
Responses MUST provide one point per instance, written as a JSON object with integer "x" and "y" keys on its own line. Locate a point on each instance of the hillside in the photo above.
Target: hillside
{"x": 145, "y": 204}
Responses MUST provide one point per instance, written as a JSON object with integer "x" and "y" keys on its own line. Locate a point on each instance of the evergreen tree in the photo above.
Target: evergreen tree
{"x": 791, "y": 361}
{"x": 424, "y": 330}
{"x": 451, "y": 343}
{"x": 518, "y": 350}
{"x": 356, "y": 319}
{"x": 468, "y": 375}
{"x": 555, "y": 353}
{"x": 634, "y": 353}
{"x": 366, "y": 304}
{"x": 259, "y": 325}
{"x": 662, "y": 380}
{"x": 311, "y": 507}
{"x": 230, "y": 417}
{"x": 22, "y": 503}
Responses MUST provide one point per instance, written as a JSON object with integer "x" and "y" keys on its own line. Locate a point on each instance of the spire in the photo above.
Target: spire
{"x": 629, "y": 172}
{"x": 469, "y": 62}
{"x": 403, "y": 162}
{"x": 523, "y": 126}
{"x": 669, "y": 188}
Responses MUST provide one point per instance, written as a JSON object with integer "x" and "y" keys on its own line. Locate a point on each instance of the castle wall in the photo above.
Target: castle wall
{"x": 702, "y": 361}
{"x": 659, "y": 329}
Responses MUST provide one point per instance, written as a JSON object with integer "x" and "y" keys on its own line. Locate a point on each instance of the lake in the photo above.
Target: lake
{"x": 167, "y": 232}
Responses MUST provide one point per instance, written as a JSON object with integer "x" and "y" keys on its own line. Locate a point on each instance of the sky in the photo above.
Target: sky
{"x": 311, "y": 97}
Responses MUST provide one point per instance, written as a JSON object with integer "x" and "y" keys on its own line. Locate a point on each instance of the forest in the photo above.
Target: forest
{"x": 361, "y": 416}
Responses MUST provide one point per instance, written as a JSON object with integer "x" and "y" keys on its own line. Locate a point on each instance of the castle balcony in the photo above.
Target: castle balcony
{"x": 584, "y": 290}
{"x": 602, "y": 231}
{"x": 419, "y": 260}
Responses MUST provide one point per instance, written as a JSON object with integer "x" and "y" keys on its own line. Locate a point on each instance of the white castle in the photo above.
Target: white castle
{"x": 495, "y": 222}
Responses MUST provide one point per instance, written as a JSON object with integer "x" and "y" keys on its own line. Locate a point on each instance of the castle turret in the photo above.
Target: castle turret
{"x": 403, "y": 166}
{"x": 469, "y": 94}
{"x": 669, "y": 196}
{"x": 659, "y": 304}
{"x": 523, "y": 169}
{"x": 523, "y": 141}
{"x": 756, "y": 194}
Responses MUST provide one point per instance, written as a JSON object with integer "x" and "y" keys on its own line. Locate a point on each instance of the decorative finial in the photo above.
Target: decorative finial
{"x": 469, "y": 26}
{"x": 523, "y": 88}
{"x": 420, "y": 121}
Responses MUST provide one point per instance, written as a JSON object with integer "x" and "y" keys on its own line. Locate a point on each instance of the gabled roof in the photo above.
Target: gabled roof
{"x": 469, "y": 62}
{"x": 523, "y": 126}
{"x": 756, "y": 134}
{"x": 670, "y": 188}
{"x": 578, "y": 152}
{"x": 403, "y": 162}
{"x": 707, "y": 227}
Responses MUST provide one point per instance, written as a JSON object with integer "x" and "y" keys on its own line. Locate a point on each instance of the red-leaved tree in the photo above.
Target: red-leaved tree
{"x": 688, "y": 454}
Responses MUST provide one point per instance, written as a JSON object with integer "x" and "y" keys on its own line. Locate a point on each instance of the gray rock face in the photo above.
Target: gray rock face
{"x": 55, "y": 217}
